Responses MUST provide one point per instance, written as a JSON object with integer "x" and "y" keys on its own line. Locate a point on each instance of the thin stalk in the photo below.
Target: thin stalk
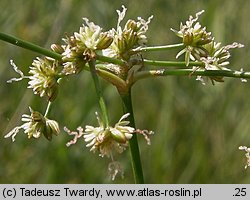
{"x": 30, "y": 46}
{"x": 191, "y": 72}
{"x": 161, "y": 48}
{"x": 133, "y": 143}
{"x": 170, "y": 63}
{"x": 149, "y": 62}
{"x": 99, "y": 93}
{"x": 109, "y": 60}
{"x": 48, "y": 109}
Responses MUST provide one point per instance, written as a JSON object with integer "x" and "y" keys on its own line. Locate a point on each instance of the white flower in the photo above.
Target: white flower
{"x": 35, "y": 125}
{"x": 43, "y": 79}
{"x": 80, "y": 48}
{"x": 192, "y": 32}
{"x": 193, "y": 36}
{"x": 133, "y": 35}
{"x": 107, "y": 139}
{"x": 216, "y": 58}
{"x": 90, "y": 36}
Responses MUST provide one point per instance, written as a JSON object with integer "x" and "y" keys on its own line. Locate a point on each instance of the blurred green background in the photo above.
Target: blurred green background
{"x": 198, "y": 129}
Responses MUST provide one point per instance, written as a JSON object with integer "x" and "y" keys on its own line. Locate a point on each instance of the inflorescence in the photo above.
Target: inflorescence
{"x": 200, "y": 46}
{"x": 76, "y": 53}
{"x": 123, "y": 46}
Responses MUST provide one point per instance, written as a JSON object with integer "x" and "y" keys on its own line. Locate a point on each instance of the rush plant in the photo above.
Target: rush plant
{"x": 117, "y": 56}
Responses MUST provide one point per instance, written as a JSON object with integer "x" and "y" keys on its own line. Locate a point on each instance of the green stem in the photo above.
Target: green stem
{"x": 48, "y": 109}
{"x": 171, "y": 63}
{"x": 133, "y": 144}
{"x": 109, "y": 60}
{"x": 27, "y": 45}
{"x": 186, "y": 72}
{"x": 99, "y": 93}
{"x": 161, "y": 48}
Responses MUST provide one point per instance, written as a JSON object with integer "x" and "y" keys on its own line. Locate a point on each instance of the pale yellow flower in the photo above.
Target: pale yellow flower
{"x": 193, "y": 37}
{"x": 107, "y": 139}
{"x": 44, "y": 76}
{"x": 133, "y": 35}
{"x": 35, "y": 125}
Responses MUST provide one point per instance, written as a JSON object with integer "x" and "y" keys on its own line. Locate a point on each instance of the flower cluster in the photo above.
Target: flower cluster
{"x": 77, "y": 50}
{"x": 105, "y": 139}
{"x": 247, "y": 150}
{"x": 35, "y": 125}
{"x": 81, "y": 47}
{"x": 200, "y": 46}
{"x": 44, "y": 77}
{"x": 122, "y": 47}
{"x": 193, "y": 37}
{"x": 127, "y": 38}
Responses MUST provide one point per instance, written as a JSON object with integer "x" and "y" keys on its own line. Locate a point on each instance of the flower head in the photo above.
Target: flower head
{"x": 247, "y": 150}
{"x": 200, "y": 46}
{"x": 192, "y": 33}
{"x": 81, "y": 47}
{"x": 129, "y": 37}
{"x": 106, "y": 139}
{"x": 90, "y": 36}
{"x": 216, "y": 57}
{"x": 44, "y": 76}
{"x": 73, "y": 58}
{"x": 35, "y": 125}
{"x": 194, "y": 37}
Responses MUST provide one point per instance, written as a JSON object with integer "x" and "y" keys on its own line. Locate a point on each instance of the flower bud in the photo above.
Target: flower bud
{"x": 121, "y": 45}
{"x": 47, "y": 133}
{"x": 57, "y": 48}
{"x": 50, "y": 129}
{"x": 118, "y": 136}
{"x": 131, "y": 39}
{"x": 104, "y": 41}
{"x": 131, "y": 25}
{"x": 36, "y": 116}
{"x": 53, "y": 125}
{"x": 188, "y": 39}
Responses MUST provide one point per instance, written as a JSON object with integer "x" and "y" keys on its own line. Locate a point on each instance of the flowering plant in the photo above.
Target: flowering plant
{"x": 117, "y": 55}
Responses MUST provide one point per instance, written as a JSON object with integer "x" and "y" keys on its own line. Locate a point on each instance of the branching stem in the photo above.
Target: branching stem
{"x": 190, "y": 72}
{"x": 28, "y": 45}
{"x": 99, "y": 93}
{"x": 133, "y": 143}
{"x": 161, "y": 48}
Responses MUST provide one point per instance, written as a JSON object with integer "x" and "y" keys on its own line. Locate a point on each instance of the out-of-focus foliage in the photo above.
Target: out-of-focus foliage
{"x": 198, "y": 129}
